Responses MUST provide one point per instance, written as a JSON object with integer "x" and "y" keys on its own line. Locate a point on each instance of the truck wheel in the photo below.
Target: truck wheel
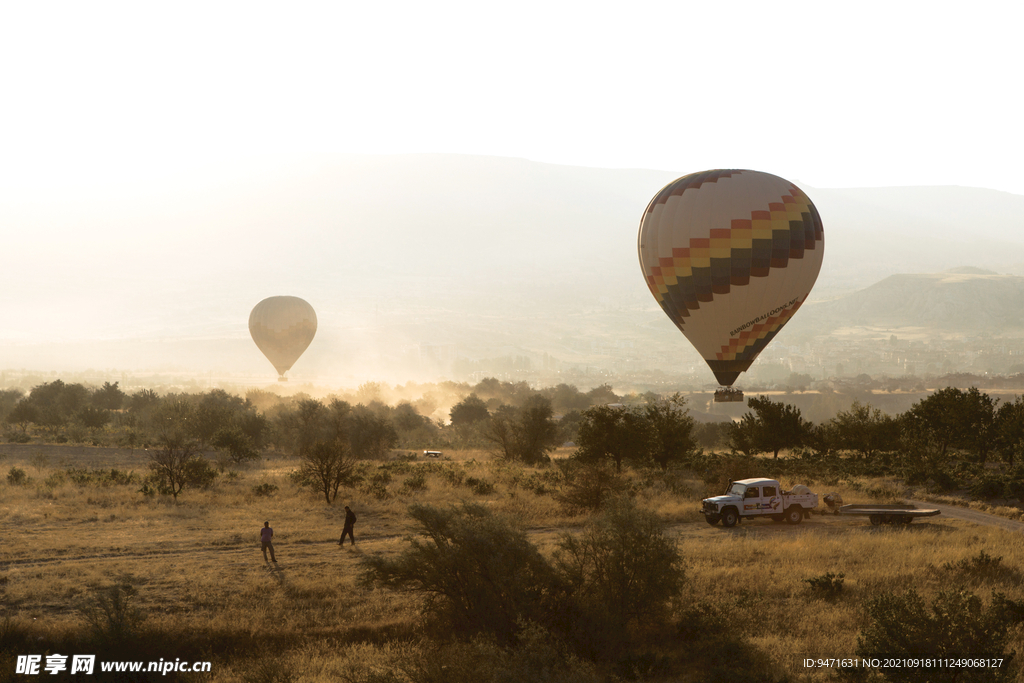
{"x": 730, "y": 517}
{"x": 907, "y": 519}
{"x": 712, "y": 519}
{"x": 794, "y": 514}
{"x": 875, "y": 520}
{"x": 778, "y": 518}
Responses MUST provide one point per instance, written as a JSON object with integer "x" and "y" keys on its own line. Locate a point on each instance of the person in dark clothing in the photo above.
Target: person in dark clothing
{"x": 350, "y": 522}
{"x": 266, "y": 538}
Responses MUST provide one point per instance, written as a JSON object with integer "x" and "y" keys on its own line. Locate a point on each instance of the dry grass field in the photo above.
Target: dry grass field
{"x": 206, "y": 593}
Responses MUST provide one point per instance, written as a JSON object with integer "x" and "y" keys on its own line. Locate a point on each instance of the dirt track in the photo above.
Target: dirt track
{"x": 975, "y": 516}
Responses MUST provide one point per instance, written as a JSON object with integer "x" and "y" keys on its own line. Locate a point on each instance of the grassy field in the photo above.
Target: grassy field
{"x": 206, "y": 593}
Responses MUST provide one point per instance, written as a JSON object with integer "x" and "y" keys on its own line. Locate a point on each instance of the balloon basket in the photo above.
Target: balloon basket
{"x": 282, "y": 378}
{"x": 728, "y": 395}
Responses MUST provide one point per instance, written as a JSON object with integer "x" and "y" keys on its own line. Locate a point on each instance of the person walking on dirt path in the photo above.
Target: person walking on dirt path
{"x": 266, "y": 536}
{"x": 350, "y": 522}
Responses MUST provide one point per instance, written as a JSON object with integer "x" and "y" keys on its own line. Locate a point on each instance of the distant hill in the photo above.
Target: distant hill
{"x": 963, "y": 300}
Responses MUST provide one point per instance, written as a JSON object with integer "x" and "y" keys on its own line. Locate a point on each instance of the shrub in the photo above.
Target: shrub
{"x": 453, "y": 475}
{"x": 265, "y": 489}
{"x": 980, "y": 567}
{"x": 378, "y": 491}
{"x": 957, "y": 625}
{"x": 622, "y": 571}
{"x": 200, "y": 473}
{"x": 478, "y": 572}
{"x": 481, "y": 487}
{"x": 538, "y": 658}
{"x": 944, "y": 481}
{"x": 417, "y": 482}
{"x": 586, "y": 486}
{"x": 112, "y": 614}
{"x": 15, "y": 436}
{"x": 829, "y": 585}
{"x": 988, "y": 488}
{"x": 17, "y": 477}
{"x": 55, "y": 480}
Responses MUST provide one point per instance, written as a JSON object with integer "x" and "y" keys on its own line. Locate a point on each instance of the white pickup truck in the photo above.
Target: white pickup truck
{"x": 758, "y": 498}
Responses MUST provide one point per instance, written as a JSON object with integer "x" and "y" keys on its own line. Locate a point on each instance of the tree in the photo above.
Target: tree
{"x": 23, "y": 414}
{"x": 613, "y": 431}
{"x": 952, "y": 418}
{"x": 602, "y": 395}
{"x": 525, "y": 434}
{"x": 1008, "y": 433}
{"x": 56, "y": 403}
{"x": 8, "y": 399}
{"x": 864, "y": 430}
{"x": 214, "y": 412}
{"x": 93, "y": 418}
{"x": 469, "y": 411}
{"x": 711, "y": 435}
{"x": 326, "y": 466}
{"x": 406, "y": 419}
{"x": 371, "y": 436}
{"x": 501, "y": 431}
{"x": 566, "y": 398}
{"x": 174, "y": 462}
{"x": 538, "y": 433}
{"x": 671, "y": 430}
{"x": 109, "y": 397}
{"x": 239, "y": 446}
{"x": 771, "y": 427}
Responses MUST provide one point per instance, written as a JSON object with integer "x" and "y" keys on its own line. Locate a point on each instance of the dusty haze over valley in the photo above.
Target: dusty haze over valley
{"x": 430, "y": 267}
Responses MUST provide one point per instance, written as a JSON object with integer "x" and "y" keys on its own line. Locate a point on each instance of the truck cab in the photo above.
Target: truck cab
{"x": 758, "y": 498}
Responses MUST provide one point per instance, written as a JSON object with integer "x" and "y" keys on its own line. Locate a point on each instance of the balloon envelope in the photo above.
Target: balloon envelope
{"x": 730, "y": 255}
{"x": 282, "y": 327}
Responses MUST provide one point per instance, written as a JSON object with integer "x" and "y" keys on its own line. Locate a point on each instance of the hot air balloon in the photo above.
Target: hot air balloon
{"x": 730, "y": 255}
{"x": 282, "y": 327}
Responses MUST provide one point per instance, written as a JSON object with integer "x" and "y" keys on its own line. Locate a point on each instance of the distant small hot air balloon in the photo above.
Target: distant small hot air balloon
{"x": 730, "y": 255}
{"x": 282, "y": 327}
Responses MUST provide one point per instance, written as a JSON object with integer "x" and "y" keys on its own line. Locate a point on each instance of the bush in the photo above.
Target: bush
{"x": 538, "y": 658}
{"x": 417, "y": 482}
{"x": 265, "y": 489}
{"x": 980, "y": 567}
{"x": 622, "y": 572}
{"x": 17, "y": 477}
{"x": 957, "y": 625}
{"x": 16, "y": 436}
{"x": 481, "y": 487}
{"x": 453, "y": 475}
{"x": 988, "y": 488}
{"x": 586, "y": 486}
{"x": 112, "y": 614}
{"x": 200, "y": 473}
{"x": 829, "y": 585}
{"x": 477, "y": 571}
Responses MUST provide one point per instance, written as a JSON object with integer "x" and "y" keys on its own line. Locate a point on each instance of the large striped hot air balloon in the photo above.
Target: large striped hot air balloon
{"x": 282, "y": 327}
{"x": 730, "y": 255}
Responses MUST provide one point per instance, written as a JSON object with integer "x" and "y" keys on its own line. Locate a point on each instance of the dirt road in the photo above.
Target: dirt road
{"x": 975, "y": 516}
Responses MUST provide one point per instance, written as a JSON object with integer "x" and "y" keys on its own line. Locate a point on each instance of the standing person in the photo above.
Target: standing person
{"x": 350, "y": 522}
{"x": 266, "y": 536}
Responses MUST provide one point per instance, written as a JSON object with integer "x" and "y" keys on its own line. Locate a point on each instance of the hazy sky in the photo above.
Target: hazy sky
{"x": 104, "y": 97}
